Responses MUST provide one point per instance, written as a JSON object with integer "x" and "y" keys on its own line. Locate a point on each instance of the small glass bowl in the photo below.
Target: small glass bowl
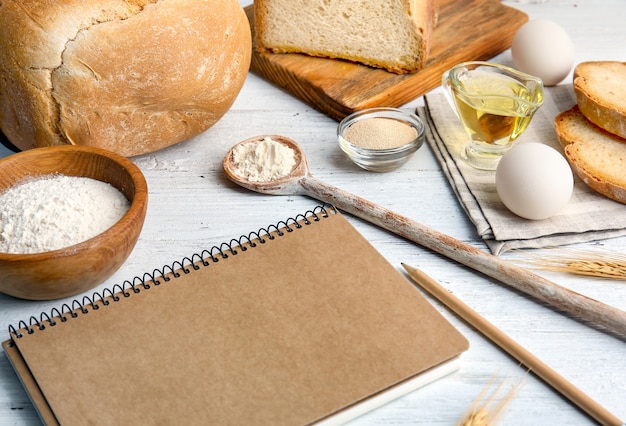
{"x": 381, "y": 159}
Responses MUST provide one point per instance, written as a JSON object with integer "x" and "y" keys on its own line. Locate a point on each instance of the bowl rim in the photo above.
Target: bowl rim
{"x": 136, "y": 209}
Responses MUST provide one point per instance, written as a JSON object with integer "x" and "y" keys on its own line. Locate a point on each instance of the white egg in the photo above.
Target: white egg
{"x": 544, "y": 49}
{"x": 534, "y": 180}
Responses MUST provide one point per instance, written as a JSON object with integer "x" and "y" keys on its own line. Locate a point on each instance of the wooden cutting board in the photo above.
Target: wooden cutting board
{"x": 467, "y": 30}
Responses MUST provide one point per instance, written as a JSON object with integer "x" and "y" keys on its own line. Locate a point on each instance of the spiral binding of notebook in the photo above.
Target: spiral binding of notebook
{"x": 168, "y": 272}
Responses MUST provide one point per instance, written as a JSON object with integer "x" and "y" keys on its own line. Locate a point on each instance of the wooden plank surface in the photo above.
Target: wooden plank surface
{"x": 467, "y": 30}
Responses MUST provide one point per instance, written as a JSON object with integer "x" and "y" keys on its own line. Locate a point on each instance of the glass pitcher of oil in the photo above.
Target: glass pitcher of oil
{"x": 495, "y": 104}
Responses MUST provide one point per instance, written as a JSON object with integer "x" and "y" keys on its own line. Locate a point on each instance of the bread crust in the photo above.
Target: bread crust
{"x": 420, "y": 17}
{"x": 128, "y": 76}
{"x": 600, "y": 88}
{"x": 581, "y": 141}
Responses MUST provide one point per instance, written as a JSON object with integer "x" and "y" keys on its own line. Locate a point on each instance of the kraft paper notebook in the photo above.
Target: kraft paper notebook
{"x": 301, "y": 322}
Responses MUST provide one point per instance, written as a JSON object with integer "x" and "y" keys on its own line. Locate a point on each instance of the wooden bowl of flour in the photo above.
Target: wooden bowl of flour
{"x": 69, "y": 270}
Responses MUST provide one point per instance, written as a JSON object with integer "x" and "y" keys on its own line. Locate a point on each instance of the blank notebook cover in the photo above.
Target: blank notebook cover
{"x": 295, "y": 324}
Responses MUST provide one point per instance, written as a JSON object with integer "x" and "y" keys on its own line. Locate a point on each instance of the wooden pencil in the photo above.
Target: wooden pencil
{"x": 534, "y": 364}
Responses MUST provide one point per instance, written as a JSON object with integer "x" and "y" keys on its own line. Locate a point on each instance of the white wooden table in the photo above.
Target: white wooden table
{"x": 193, "y": 206}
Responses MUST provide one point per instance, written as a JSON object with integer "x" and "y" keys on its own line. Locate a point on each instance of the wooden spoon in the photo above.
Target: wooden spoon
{"x": 301, "y": 182}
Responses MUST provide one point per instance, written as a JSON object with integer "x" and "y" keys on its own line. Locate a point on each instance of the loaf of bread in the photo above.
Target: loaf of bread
{"x": 596, "y": 156}
{"x": 390, "y": 34}
{"x": 131, "y": 76}
{"x": 600, "y": 89}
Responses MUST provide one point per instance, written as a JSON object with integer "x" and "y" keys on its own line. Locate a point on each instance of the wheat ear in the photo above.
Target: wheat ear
{"x": 600, "y": 264}
{"x": 487, "y": 411}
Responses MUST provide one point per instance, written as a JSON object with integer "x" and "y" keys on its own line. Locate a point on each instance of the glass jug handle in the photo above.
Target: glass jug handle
{"x": 447, "y": 90}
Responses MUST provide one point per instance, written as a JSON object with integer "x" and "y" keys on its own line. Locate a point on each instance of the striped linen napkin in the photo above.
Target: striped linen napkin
{"x": 588, "y": 216}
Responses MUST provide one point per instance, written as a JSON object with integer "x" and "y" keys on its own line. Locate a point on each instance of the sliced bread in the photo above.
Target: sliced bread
{"x": 389, "y": 34}
{"x": 595, "y": 155}
{"x": 600, "y": 89}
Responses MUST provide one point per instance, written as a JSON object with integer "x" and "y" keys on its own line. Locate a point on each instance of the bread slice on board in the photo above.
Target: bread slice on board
{"x": 595, "y": 155}
{"x": 389, "y": 34}
{"x": 600, "y": 89}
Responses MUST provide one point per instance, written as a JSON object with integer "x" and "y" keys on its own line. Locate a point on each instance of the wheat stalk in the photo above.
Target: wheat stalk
{"x": 601, "y": 264}
{"x": 486, "y": 411}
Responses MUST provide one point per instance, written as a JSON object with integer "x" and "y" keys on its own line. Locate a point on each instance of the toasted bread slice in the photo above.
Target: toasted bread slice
{"x": 600, "y": 89}
{"x": 596, "y": 156}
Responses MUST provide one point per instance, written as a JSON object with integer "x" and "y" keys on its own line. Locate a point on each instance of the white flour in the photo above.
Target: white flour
{"x": 263, "y": 161}
{"x": 57, "y": 211}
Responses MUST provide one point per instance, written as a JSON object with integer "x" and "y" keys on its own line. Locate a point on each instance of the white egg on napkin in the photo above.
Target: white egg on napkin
{"x": 534, "y": 180}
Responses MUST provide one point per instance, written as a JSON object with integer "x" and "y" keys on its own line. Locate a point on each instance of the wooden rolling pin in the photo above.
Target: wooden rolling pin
{"x": 300, "y": 182}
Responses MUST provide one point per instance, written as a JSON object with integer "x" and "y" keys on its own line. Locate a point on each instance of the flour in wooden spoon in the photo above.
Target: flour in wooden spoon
{"x": 263, "y": 161}
{"x": 57, "y": 211}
